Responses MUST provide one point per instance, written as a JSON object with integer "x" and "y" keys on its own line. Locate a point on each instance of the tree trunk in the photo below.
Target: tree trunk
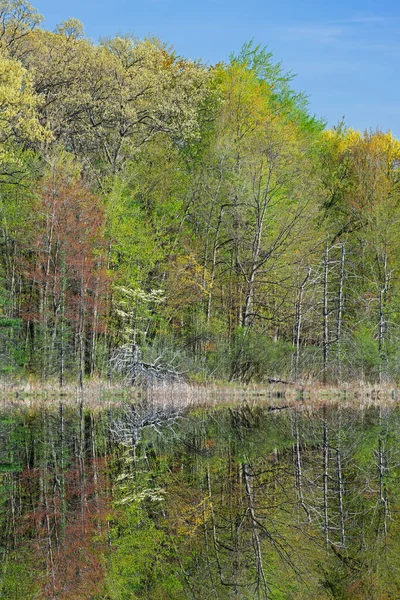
{"x": 340, "y": 311}
{"x": 325, "y": 329}
{"x": 299, "y": 318}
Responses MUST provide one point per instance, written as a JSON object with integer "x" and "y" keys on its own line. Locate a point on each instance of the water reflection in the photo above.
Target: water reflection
{"x": 251, "y": 501}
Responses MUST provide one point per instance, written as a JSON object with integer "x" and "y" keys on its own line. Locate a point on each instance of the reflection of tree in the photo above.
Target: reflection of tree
{"x": 246, "y": 513}
{"x": 128, "y": 428}
{"x": 55, "y": 509}
{"x": 246, "y": 503}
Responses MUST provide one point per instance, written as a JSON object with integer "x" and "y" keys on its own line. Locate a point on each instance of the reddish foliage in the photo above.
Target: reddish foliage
{"x": 68, "y": 528}
{"x": 65, "y": 265}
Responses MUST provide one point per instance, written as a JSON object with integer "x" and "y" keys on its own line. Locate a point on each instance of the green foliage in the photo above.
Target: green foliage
{"x": 140, "y": 565}
{"x": 365, "y": 353}
{"x": 19, "y": 578}
{"x": 288, "y": 102}
{"x": 255, "y": 356}
{"x": 12, "y": 353}
{"x": 202, "y": 509}
{"x": 143, "y": 563}
{"x": 127, "y": 169}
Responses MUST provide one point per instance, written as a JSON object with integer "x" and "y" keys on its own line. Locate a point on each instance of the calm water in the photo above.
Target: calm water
{"x": 136, "y": 501}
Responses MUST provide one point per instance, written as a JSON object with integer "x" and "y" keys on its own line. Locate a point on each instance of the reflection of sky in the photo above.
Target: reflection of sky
{"x": 346, "y": 53}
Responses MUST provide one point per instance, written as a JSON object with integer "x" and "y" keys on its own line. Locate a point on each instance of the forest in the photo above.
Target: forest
{"x": 174, "y": 236}
{"x": 161, "y": 218}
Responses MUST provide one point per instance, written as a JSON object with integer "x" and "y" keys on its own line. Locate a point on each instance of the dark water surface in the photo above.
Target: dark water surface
{"x": 140, "y": 500}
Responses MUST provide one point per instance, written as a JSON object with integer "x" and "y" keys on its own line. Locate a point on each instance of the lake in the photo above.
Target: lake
{"x": 253, "y": 497}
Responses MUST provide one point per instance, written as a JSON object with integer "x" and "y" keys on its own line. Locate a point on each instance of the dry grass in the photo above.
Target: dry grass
{"x": 103, "y": 394}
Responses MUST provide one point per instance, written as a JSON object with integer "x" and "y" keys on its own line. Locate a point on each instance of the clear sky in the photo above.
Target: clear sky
{"x": 346, "y": 53}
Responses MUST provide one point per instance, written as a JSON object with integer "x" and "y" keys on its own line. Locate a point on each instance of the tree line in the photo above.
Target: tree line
{"x": 198, "y": 217}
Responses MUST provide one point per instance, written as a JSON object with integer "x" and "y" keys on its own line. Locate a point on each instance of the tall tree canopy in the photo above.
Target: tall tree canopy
{"x": 193, "y": 213}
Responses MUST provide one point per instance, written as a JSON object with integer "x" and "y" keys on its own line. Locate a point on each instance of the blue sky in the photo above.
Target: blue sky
{"x": 346, "y": 54}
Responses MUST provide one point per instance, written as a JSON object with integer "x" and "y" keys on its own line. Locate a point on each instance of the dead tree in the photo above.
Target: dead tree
{"x": 127, "y": 362}
{"x": 340, "y": 308}
{"x": 299, "y": 319}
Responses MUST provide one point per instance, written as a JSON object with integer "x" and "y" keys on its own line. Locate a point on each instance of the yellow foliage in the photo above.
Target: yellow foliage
{"x": 188, "y": 515}
{"x": 18, "y": 108}
{"x": 188, "y": 281}
{"x": 110, "y": 98}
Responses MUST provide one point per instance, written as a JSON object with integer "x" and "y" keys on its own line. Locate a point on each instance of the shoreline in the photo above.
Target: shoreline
{"x": 100, "y": 394}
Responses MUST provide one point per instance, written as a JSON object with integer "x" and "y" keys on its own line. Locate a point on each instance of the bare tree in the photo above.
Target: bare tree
{"x": 127, "y": 361}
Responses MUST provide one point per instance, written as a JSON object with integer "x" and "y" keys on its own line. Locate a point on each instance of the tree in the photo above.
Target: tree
{"x": 67, "y": 274}
{"x": 18, "y": 19}
{"x": 105, "y": 101}
{"x": 267, "y": 179}
{"x": 19, "y": 106}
